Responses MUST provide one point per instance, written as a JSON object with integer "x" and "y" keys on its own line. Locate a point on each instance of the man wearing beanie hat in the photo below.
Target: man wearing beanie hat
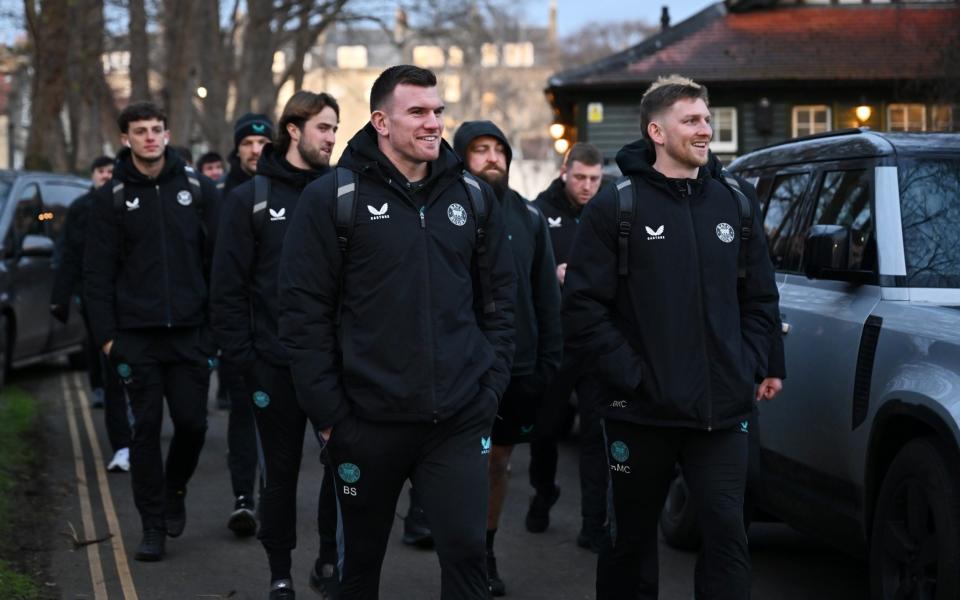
{"x": 539, "y": 342}
{"x": 251, "y": 133}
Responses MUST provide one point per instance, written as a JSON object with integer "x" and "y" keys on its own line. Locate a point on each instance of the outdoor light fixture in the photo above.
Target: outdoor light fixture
{"x": 202, "y": 92}
{"x": 561, "y": 145}
{"x": 863, "y": 113}
{"x": 557, "y": 130}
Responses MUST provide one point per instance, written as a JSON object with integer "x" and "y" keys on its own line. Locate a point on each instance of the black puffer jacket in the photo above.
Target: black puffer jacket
{"x": 562, "y": 218}
{"x": 679, "y": 341}
{"x": 146, "y": 265}
{"x": 247, "y": 262}
{"x": 69, "y": 277}
{"x": 412, "y": 345}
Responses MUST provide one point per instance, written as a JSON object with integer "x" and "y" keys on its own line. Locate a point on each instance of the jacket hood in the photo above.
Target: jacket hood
{"x": 275, "y": 166}
{"x": 236, "y": 175}
{"x": 637, "y": 159}
{"x": 471, "y": 130}
{"x": 125, "y": 171}
{"x": 555, "y": 196}
{"x": 362, "y": 153}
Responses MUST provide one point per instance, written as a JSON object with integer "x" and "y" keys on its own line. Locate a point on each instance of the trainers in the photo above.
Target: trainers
{"x": 325, "y": 579}
{"x": 120, "y": 461}
{"x": 282, "y": 589}
{"x": 538, "y": 516}
{"x": 592, "y": 538}
{"x": 496, "y": 585}
{"x": 176, "y": 513}
{"x": 243, "y": 521}
{"x": 152, "y": 546}
{"x": 416, "y": 530}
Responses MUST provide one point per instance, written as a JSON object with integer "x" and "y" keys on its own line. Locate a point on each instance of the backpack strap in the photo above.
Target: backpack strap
{"x": 345, "y": 182}
{"x": 261, "y": 202}
{"x": 193, "y": 180}
{"x": 626, "y": 199}
{"x": 746, "y": 220}
{"x": 118, "y": 198}
{"x": 478, "y": 206}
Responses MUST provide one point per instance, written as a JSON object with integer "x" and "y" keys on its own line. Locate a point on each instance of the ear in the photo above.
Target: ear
{"x": 166, "y": 137}
{"x": 378, "y": 119}
{"x": 294, "y": 132}
{"x": 655, "y": 132}
{"x": 125, "y": 140}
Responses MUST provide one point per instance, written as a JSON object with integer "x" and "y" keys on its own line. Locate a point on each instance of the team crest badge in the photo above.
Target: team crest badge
{"x": 184, "y": 197}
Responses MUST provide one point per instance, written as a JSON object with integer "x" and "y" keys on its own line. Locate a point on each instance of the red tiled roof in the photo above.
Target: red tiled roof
{"x": 854, "y": 43}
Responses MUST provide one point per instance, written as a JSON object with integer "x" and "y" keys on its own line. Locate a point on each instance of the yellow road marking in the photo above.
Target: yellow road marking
{"x": 119, "y": 553}
{"x": 83, "y": 492}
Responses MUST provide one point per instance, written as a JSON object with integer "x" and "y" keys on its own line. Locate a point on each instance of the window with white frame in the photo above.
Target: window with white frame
{"x": 941, "y": 117}
{"x": 906, "y": 117}
{"x": 810, "y": 119}
{"x": 352, "y": 57}
{"x": 489, "y": 56}
{"x": 428, "y": 56}
{"x": 518, "y": 54}
{"x": 723, "y": 119}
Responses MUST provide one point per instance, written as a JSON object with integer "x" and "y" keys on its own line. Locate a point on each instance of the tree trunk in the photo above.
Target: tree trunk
{"x": 255, "y": 89}
{"x": 216, "y": 73}
{"x": 91, "y": 102}
{"x": 139, "y": 45}
{"x": 46, "y": 144}
{"x": 180, "y": 48}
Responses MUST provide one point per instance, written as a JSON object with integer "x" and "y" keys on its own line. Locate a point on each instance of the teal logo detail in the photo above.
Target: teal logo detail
{"x": 349, "y": 472}
{"x": 526, "y": 429}
{"x": 510, "y": 236}
{"x": 485, "y": 445}
{"x": 124, "y": 371}
{"x": 619, "y": 451}
{"x": 744, "y": 426}
{"x": 261, "y": 399}
{"x": 212, "y": 363}
{"x": 259, "y": 127}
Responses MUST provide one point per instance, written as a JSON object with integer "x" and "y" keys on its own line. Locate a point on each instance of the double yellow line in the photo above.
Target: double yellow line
{"x": 78, "y": 391}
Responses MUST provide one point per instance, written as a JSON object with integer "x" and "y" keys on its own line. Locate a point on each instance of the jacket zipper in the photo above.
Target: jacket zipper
{"x": 163, "y": 247}
{"x": 703, "y": 312}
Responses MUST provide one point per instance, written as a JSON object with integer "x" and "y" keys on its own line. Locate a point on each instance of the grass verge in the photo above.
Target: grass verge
{"x": 18, "y": 460}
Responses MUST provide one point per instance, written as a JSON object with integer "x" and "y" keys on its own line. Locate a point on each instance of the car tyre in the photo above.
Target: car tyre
{"x": 915, "y": 541}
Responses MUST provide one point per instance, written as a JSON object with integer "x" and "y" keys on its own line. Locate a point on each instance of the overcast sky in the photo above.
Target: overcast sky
{"x": 573, "y": 13}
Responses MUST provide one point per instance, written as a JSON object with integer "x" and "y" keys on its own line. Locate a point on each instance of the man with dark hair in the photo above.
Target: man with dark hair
{"x": 398, "y": 321}
{"x": 251, "y": 133}
{"x": 561, "y": 203}
{"x": 244, "y": 302}
{"x": 677, "y": 306}
{"x": 210, "y": 164}
{"x": 68, "y": 285}
{"x": 185, "y": 153}
{"x": 150, "y": 239}
{"x": 538, "y": 340}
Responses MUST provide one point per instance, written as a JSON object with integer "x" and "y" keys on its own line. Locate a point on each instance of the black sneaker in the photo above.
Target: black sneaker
{"x": 243, "y": 521}
{"x": 282, "y": 589}
{"x": 496, "y": 585}
{"x": 593, "y": 538}
{"x": 416, "y": 530}
{"x": 176, "y": 512}
{"x": 538, "y": 516}
{"x": 325, "y": 579}
{"x": 152, "y": 547}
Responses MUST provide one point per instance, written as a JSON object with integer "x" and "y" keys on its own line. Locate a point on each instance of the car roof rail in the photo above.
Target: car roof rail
{"x": 820, "y": 136}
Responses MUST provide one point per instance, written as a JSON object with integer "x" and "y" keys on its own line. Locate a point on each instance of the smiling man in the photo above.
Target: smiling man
{"x": 396, "y": 310}
{"x": 679, "y": 319}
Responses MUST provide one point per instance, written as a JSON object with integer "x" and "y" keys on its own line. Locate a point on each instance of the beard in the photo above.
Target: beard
{"x": 313, "y": 156}
{"x": 497, "y": 179}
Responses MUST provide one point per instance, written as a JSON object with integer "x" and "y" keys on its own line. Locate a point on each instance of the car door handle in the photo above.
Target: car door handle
{"x": 785, "y": 327}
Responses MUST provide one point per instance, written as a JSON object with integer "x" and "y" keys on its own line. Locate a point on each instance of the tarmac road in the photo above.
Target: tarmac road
{"x": 209, "y": 563}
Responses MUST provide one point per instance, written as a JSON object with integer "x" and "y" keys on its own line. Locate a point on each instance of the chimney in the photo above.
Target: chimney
{"x": 400, "y": 25}
{"x": 552, "y": 26}
{"x": 665, "y": 18}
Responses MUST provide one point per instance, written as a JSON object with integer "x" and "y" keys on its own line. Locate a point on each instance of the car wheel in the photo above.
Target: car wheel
{"x": 915, "y": 541}
{"x": 678, "y": 519}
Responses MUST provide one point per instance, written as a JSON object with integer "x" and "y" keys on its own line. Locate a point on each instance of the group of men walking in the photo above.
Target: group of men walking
{"x": 407, "y": 305}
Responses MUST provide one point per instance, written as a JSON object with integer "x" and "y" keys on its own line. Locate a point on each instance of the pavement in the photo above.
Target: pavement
{"x": 97, "y": 529}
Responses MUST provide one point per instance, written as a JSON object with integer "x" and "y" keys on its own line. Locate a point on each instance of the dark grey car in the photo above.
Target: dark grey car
{"x": 33, "y": 210}
{"x": 862, "y": 447}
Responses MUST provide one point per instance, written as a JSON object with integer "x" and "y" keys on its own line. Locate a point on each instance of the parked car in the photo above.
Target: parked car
{"x": 862, "y": 447}
{"x": 33, "y": 210}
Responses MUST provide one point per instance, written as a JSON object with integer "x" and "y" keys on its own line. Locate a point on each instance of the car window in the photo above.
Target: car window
{"x": 57, "y": 198}
{"x": 26, "y": 218}
{"x": 781, "y": 220}
{"x": 844, "y": 200}
{"x": 930, "y": 211}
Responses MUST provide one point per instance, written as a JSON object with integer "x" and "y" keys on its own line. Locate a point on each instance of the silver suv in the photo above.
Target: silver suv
{"x": 861, "y": 447}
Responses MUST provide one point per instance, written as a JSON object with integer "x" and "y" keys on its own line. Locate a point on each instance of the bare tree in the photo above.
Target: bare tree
{"x": 594, "y": 41}
{"x": 139, "y": 46}
{"x": 180, "y": 52}
{"x": 48, "y": 25}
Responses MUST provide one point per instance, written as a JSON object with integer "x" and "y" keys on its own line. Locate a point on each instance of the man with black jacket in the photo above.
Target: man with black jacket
{"x": 679, "y": 319}
{"x": 251, "y": 133}
{"x": 67, "y": 285}
{"x": 150, "y": 240}
{"x": 244, "y": 302}
{"x": 398, "y": 320}
{"x": 538, "y": 340}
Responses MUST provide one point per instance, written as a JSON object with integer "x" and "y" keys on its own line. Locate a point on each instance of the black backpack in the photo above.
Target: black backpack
{"x": 626, "y": 208}
{"x": 345, "y": 182}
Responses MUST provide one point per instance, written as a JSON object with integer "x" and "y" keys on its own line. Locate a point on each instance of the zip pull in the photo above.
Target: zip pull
{"x": 423, "y": 219}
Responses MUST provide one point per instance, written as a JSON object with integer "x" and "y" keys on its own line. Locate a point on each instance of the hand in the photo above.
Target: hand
{"x": 561, "y": 272}
{"x": 60, "y": 312}
{"x": 107, "y": 347}
{"x": 769, "y": 388}
{"x": 325, "y": 434}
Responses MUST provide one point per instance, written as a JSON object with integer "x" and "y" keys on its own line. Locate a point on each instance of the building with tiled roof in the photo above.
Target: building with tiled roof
{"x": 777, "y": 69}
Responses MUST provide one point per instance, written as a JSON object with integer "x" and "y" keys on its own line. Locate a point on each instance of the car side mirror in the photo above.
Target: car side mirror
{"x": 37, "y": 246}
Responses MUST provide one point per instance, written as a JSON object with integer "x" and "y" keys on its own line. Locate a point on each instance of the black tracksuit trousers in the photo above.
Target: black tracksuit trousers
{"x": 281, "y": 425}
{"x": 447, "y": 463}
{"x": 156, "y": 364}
{"x": 241, "y": 431}
{"x": 641, "y": 466}
{"x": 103, "y": 375}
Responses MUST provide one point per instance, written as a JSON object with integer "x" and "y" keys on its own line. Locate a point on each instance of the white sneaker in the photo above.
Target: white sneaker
{"x": 121, "y": 461}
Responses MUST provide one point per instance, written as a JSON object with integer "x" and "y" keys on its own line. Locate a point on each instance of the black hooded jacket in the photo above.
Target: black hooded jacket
{"x": 680, "y": 340}
{"x": 235, "y": 176}
{"x": 247, "y": 262}
{"x": 73, "y": 238}
{"x": 412, "y": 344}
{"x": 146, "y": 265}
{"x": 561, "y": 218}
